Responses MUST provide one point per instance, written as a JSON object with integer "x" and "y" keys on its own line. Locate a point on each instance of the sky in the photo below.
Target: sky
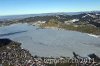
{"x": 17, "y": 7}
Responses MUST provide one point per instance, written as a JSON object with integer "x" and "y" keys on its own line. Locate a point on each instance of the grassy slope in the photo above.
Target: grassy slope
{"x": 81, "y": 28}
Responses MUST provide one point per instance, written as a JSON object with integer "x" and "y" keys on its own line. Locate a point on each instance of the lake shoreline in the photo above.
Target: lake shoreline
{"x": 54, "y": 28}
{"x": 45, "y": 41}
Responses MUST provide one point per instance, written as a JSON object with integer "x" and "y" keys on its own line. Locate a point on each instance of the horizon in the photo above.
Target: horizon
{"x": 22, "y": 7}
{"x": 48, "y": 13}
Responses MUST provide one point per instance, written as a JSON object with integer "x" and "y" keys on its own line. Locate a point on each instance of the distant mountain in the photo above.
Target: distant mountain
{"x": 89, "y": 17}
{"x": 43, "y": 14}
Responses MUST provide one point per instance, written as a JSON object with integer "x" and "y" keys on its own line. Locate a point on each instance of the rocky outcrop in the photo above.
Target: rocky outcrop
{"x": 4, "y": 42}
{"x": 11, "y": 53}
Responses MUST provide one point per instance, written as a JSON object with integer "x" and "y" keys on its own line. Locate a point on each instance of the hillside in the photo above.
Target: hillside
{"x": 88, "y": 22}
{"x": 11, "y": 53}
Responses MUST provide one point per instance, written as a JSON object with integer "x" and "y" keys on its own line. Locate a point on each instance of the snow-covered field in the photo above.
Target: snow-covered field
{"x": 96, "y": 36}
{"x": 51, "y": 42}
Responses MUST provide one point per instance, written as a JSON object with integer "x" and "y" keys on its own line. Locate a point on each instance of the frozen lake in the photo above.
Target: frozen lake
{"x": 51, "y": 42}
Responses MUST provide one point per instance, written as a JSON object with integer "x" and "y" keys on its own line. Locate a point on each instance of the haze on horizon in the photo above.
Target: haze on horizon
{"x": 17, "y": 7}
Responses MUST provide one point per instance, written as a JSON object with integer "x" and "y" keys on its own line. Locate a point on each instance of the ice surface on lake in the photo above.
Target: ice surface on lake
{"x": 52, "y": 42}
